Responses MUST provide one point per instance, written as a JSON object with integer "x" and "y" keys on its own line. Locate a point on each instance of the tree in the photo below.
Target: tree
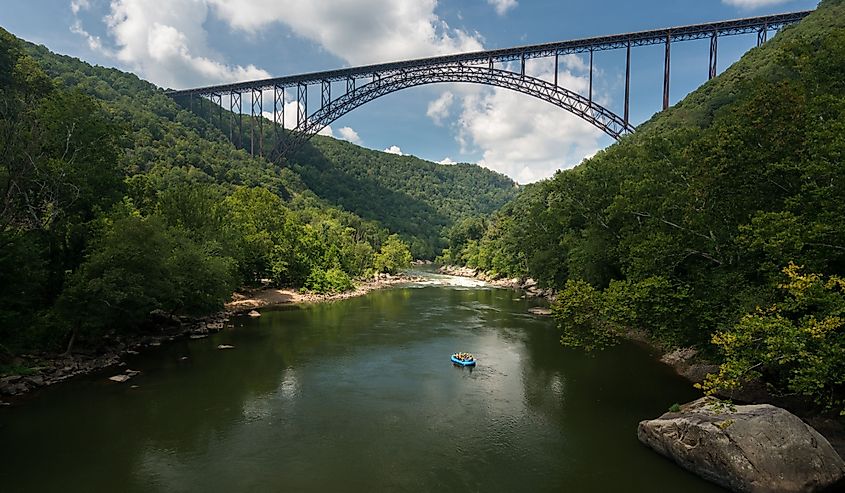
{"x": 394, "y": 255}
{"x": 138, "y": 266}
{"x": 797, "y": 344}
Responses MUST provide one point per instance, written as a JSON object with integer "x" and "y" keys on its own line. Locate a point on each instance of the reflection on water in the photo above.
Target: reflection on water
{"x": 358, "y": 395}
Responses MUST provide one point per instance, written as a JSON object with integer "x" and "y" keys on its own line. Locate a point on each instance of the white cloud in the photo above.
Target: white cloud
{"x": 165, "y": 42}
{"x": 439, "y": 109}
{"x": 347, "y": 133}
{"x": 753, "y": 4}
{"x": 394, "y": 150}
{"x": 446, "y": 160}
{"x": 358, "y": 31}
{"x": 327, "y": 131}
{"x": 502, "y": 6}
{"x": 77, "y": 5}
{"x": 523, "y": 137}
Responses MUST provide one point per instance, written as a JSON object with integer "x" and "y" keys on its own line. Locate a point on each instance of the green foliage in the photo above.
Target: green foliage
{"x": 138, "y": 266}
{"x": 797, "y": 344}
{"x": 681, "y": 228}
{"x": 333, "y": 280}
{"x": 594, "y": 319}
{"x": 415, "y": 198}
{"x": 582, "y": 314}
{"x": 394, "y": 255}
{"x": 120, "y": 203}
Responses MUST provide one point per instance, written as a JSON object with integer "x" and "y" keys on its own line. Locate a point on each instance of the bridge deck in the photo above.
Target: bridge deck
{"x": 616, "y": 41}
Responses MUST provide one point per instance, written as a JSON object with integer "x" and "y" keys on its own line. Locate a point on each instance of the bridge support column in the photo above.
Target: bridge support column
{"x": 326, "y": 93}
{"x": 522, "y": 68}
{"x": 714, "y": 52}
{"x": 350, "y": 85}
{"x": 591, "y": 77}
{"x": 278, "y": 111}
{"x": 666, "y": 73}
{"x": 762, "y": 35}
{"x": 217, "y": 100}
{"x": 302, "y": 105}
{"x": 257, "y": 112}
{"x": 627, "y": 83}
{"x": 557, "y": 58}
{"x": 234, "y": 108}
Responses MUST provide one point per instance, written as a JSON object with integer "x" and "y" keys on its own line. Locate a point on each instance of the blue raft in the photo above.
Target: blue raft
{"x": 462, "y": 362}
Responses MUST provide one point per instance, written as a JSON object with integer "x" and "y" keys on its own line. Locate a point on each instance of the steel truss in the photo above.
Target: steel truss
{"x": 581, "y": 106}
{"x": 476, "y": 67}
{"x": 753, "y": 25}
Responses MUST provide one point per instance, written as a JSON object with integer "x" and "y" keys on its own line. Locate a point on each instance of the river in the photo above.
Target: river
{"x": 357, "y": 395}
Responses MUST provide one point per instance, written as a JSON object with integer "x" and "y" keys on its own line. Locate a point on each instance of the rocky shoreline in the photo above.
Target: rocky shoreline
{"x": 42, "y": 370}
{"x": 530, "y": 286}
{"x": 686, "y": 362}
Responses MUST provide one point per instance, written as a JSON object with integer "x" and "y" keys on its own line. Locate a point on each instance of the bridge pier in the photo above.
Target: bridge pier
{"x": 236, "y": 107}
{"x": 714, "y": 51}
{"x": 590, "y": 96}
{"x": 302, "y": 104}
{"x": 666, "y": 73}
{"x": 627, "y": 83}
{"x": 278, "y": 109}
{"x": 217, "y": 98}
{"x": 326, "y": 93}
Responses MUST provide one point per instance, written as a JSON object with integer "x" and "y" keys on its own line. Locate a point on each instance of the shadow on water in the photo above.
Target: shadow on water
{"x": 357, "y": 395}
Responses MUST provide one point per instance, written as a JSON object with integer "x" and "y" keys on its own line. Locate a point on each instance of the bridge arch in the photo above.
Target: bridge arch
{"x": 588, "y": 110}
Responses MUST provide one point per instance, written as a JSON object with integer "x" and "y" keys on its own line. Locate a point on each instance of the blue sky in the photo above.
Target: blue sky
{"x": 185, "y": 43}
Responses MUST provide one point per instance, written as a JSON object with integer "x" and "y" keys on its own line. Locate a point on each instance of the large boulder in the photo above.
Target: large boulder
{"x": 754, "y": 449}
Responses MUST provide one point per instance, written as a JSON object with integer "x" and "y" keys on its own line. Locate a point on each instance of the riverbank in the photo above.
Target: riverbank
{"x": 34, "y": 371}
{"x": 689, "y": 364}
{"x": 530, "y": 286}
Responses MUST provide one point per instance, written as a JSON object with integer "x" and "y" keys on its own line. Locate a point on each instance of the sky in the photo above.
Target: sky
{"x": 188, "y": 43}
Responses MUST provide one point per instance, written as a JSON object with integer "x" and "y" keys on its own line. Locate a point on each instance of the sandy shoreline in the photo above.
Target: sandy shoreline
{"x": 247, "y": 300}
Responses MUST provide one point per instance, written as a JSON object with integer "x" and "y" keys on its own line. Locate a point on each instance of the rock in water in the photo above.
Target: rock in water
{"x": 539, "y": 310}
{"x": 119, "y": 378}
{"x": 225, "y": 346}
{"x": 755, "y": 449}
{"x": 254, "y": 313}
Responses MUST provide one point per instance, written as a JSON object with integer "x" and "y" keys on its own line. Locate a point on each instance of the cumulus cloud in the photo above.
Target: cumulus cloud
{"x": 360, "y": 32}
{"x": 523, "y": 137}
{"x": 78, "y": 5}
{"x": 753, "y": 4}
{"x": 394, "y": 150}
{"x": 439, "y": 109}
{"x": 347, "y": 133}
{"x": 446, "y": 160}
{"x": 164, "y": 42}
{"x": 502, "y": 6}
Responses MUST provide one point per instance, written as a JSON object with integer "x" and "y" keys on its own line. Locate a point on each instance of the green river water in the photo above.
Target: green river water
{"x": 357, "y": 395}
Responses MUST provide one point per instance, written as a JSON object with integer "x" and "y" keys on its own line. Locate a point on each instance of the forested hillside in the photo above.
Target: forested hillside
{"x": 720, "y": 223}
{"x": 413, "y": 197}
{"x": 120, "y": 202}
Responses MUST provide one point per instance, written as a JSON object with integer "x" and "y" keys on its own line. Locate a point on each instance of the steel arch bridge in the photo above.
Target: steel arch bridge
{"x": 491, "y": 68}
{"x": 581, "y": 106}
